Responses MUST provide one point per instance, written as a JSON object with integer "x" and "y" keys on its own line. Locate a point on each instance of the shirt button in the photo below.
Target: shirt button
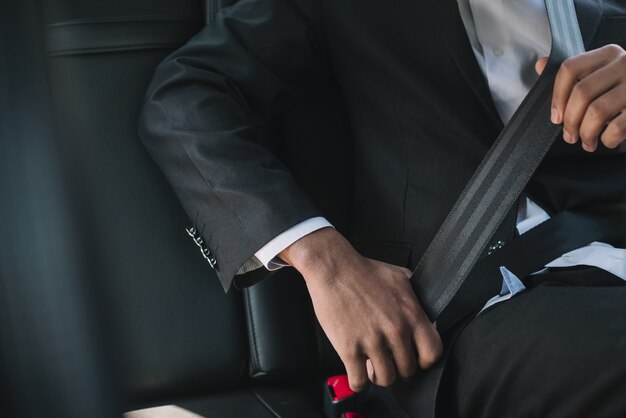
{"x": 498, "y": 52}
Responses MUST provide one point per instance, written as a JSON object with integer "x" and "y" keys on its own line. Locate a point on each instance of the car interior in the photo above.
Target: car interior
{"x": 107, "y": 307}
{"x": 105, "y": 303}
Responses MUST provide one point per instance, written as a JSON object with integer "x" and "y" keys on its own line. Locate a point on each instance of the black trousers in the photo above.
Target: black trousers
{"x": 556, "y": 350}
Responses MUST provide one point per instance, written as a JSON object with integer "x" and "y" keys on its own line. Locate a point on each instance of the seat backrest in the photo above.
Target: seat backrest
{"x": 172, "y": 331}
{"x": 52, "y": 362}
{"x": 313, "y": 140}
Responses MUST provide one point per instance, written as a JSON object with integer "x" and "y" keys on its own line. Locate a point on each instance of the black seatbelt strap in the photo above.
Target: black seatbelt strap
{"x": 530, "y": 252}
{"x": 481, "y": 209}
{"x": 500, "y": 178}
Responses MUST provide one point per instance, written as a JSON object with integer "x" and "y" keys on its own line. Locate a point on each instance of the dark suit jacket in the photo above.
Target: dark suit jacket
{"x": 418, "y": 116}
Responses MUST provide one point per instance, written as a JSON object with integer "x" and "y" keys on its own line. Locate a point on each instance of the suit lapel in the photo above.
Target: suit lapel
{"x": 446, "y": 14}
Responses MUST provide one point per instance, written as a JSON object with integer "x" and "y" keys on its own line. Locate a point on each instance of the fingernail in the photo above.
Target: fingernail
{"x": 590, "y": 148}
{"x": 569, "y": 138}
{"x": 370, "y": 369}
{"x": 555, "y": 116}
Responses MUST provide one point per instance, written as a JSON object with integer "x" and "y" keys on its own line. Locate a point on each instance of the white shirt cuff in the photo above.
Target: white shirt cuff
{"x": 268, "y": 255}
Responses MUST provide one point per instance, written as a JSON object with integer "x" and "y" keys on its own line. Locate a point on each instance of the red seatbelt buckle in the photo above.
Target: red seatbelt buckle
{"x": 339, "y": 400}
{"x": 340, "y": 387}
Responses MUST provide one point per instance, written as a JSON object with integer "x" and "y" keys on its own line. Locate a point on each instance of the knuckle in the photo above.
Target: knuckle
{"x": 582, "y": 91}
{"x": 396, "y": 332}
{"x": 357, "y": 384}
{"x": 427, "y": 360}
{"x": 374, "y": 342}
{"x": 597, "y": 111}
{"x": 429, "y": 357}
{"x": 413, "y": 312}
{"x": 619, "y": 132}
{"x": 386, "y": 382}
{"x": 407, "y": 371}
{"x": 567, "y": 67}
{"x": 614, "y": 135}
{"x": 613, "y": 49}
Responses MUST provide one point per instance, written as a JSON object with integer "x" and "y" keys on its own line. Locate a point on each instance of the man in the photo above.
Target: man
{"x": 427, "y": 85}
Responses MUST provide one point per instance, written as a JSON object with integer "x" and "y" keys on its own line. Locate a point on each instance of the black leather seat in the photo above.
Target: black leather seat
{"x": 164, "y": 311}
{"x": 172, "y": 335}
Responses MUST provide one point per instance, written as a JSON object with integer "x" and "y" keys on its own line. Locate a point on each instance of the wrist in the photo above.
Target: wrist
{"x": 319, "y": 251}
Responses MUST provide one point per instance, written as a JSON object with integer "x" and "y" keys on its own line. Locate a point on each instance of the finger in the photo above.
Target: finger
{"x": 428, "y": 343}
{"x": 583, "y": 94}
{"x": 357, "y": 374}
{"x": 615, "y": 132}
{"x": 404, "y": 354}
{"x": 540, "y": 65}
{"x": 384, "y": 370}
{"x": 598, "y": 115}
{"x": 572, "y": 70}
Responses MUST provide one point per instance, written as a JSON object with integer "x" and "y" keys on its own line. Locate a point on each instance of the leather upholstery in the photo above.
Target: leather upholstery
{"x": 171, "y": 328}
{"x": 211, "y": 7}
{"x": 169, "y": 331}
{"x": 279, "y": 328}
{"x": 116, "y": 34}
{"x": 52, "y": 360}
{"x": 286, "y": 343}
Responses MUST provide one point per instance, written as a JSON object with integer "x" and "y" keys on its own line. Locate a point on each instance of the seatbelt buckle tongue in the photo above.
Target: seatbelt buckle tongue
{"x": 339, "y": 400}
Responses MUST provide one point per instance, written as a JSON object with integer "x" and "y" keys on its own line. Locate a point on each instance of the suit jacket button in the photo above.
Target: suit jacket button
{"x": 206, "y": 253}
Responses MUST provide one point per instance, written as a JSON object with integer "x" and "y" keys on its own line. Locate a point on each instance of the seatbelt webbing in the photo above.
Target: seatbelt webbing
{"x": 530, "y": 252}
{"x": 500, "y": 178}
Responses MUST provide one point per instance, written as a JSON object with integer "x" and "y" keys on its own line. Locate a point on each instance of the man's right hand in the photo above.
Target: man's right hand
{"x": 367, "y": 309}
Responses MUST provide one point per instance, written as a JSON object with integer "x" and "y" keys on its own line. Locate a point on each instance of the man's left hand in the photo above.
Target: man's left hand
{"x": 589, "y": 97}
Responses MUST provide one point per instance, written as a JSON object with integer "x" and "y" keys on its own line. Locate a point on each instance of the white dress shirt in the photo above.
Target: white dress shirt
{"x": 507, "y": 37}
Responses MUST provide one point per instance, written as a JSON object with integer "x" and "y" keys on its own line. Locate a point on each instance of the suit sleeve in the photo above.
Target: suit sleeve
{"x": 201, "y": 119}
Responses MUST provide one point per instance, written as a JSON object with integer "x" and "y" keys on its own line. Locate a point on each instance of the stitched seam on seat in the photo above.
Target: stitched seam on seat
{"x": 119, "y": 20}
{"x": 104, "y": 25}
{"x": 95, "y": 50}
{"x": 254, "y": 348}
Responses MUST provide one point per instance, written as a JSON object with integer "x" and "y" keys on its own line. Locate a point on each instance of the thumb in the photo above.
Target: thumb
{"x": 540, "y": 65}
